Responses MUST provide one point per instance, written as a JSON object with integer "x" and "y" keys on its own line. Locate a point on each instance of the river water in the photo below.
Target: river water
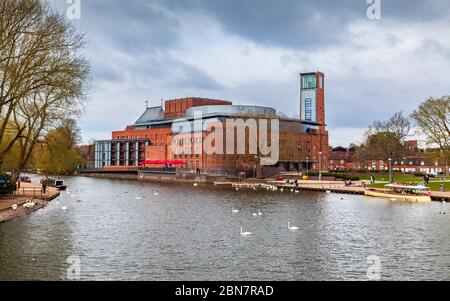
{"x": 128, "y": 230}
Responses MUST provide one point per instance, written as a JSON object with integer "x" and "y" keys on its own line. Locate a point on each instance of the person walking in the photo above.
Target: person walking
{"x": 44, "y": 187}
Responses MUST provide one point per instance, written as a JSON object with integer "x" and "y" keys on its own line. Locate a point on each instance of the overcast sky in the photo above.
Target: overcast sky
{"x": 251, "y": 51}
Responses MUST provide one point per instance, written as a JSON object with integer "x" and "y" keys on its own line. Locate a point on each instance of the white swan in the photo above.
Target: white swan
{"x": 245, "y": 233}
{"x": 292, "y": 228}
{"x": 195, "y": 185}
{"x": 29, "y": 204}
{"x": 235, "y": 210}
{"x": 138, "y": 198}
{"x": 155, "y": 194}
{"x": 237, "y": 188}
{"x": 259, "y": 213}
{"x": 64, "y": 208}
{"x": 14, "y": 207}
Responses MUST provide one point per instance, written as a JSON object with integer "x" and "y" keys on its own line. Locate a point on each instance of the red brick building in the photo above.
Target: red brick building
{"x": 344, "y": 159}
{"x": 159, "y": 136}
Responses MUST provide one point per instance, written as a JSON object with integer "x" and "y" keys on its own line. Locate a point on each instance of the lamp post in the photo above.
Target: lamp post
{"x": 307, "y": 167}
{"x": 257, "y": 161}
{"x": 320, "y": 166}
{"x": 299, "y": 157}
{"x": 390, "y": 171}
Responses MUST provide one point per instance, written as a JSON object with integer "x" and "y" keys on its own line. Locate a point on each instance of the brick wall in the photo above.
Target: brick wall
{"x": 177, "y": 107}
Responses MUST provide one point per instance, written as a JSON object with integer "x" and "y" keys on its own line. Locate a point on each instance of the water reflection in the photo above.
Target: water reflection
{"x": 125, "y": 230}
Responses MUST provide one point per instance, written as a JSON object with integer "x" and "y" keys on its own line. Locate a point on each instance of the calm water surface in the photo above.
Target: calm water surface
{"x": 187, "y": 233}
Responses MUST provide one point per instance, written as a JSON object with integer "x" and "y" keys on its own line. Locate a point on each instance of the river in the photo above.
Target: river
{"x": 130, "y": 230}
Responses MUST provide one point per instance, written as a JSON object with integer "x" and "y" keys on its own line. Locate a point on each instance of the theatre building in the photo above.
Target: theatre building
{"x": 173, "y": 136}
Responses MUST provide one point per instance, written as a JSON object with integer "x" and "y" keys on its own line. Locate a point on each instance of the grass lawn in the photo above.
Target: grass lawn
{"x": 403, "y": 178}
{"x": 434, "y": 185}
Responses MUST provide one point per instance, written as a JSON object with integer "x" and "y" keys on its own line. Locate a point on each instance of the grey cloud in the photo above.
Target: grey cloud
{"x": 305, "y": 23}
{"x": 130, "y": 44}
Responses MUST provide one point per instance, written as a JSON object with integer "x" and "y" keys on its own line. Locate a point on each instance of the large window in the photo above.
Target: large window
{"x": 308, "y": 109}
{"x": 309, "y": 81}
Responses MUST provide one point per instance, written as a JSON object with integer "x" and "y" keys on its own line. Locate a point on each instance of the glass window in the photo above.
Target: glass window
{"x": 308, "y": 109}
{"x": 309, "y": 81}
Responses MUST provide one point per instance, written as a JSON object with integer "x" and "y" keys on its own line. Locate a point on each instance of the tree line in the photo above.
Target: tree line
{"x": 43, "y": 79}
{"x": 386, "y": 140}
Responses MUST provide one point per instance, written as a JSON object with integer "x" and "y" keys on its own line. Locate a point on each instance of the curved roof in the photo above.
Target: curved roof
{"x": 234, "y": 110}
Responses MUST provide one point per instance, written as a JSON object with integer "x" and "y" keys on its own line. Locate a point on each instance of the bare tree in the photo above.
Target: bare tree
{"x": 398, "y": 126}
{"x": 386, "y": 139}
{"x": 42, "y": 74}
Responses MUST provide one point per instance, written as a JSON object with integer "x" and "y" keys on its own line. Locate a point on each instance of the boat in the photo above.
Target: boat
{"x": 25, "y": 179}
{"x": 59, "y": 184}
{"x": 402, "y": 192}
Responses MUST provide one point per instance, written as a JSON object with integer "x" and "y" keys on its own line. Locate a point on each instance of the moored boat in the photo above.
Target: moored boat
{"x": 25, "y": 179}
{"x": 59, "y": 184}
{"x": 402, "y": 192}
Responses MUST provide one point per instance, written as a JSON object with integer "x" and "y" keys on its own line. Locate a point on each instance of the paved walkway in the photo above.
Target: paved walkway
{"x": 28, "y": 191}
{"x": 328, "y": 186}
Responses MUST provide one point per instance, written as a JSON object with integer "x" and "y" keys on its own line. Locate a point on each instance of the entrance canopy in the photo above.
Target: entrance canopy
{"x": 162, "y": 162}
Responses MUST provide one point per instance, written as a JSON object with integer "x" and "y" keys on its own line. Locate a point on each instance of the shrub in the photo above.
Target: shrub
{"x": 6, "y": 188}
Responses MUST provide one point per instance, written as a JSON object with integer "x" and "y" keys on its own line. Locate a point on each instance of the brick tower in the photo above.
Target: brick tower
{"x": 312, "y": 97}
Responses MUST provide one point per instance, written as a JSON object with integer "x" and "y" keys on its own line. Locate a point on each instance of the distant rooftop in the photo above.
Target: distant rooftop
{"x": 151, "y": 114}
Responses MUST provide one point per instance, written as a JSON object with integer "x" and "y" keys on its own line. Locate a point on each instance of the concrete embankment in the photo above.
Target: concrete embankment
{"x": 31, "y": 193}
{"x": 337, "y": 187}
{"x": 159, "y": 177}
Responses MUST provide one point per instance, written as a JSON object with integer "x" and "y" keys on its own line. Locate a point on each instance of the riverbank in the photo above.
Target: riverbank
{"x": 338, "y": 187}
{"x": 28, "y": 192}
{"x": 162, "y": 177}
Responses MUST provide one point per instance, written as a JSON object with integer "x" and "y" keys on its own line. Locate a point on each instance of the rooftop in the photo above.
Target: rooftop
{"x": 151, "y": 114}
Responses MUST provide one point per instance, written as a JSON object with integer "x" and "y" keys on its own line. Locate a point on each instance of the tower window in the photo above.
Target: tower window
{"x": 309, "y": 81}
{"x": 308, "y": 109}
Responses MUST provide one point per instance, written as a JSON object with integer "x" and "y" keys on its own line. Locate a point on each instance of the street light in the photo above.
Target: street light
{"x": 299, "y": 157}
{"x": 257, "y": 161}
{"x": 390, "y": 171}
{"x": 320, "y": 166}
{"x": 307, "y": 166}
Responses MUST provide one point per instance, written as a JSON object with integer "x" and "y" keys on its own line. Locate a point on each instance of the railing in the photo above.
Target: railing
{"x": 32, "y": 192}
